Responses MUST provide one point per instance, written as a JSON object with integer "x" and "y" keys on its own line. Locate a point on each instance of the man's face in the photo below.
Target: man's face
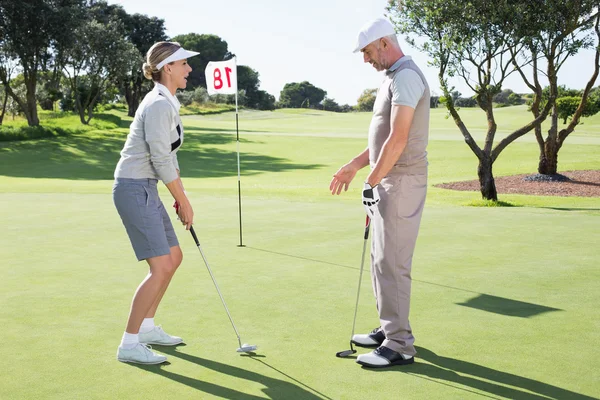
{"x": 373, "y": 55}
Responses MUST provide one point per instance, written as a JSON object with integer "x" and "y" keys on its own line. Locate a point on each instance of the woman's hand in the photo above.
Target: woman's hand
{"x": 185, "y": 212}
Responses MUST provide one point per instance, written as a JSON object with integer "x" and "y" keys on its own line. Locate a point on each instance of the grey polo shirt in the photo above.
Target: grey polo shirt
{"x": 155, "y": 136}
{"x": 404, "y": 84}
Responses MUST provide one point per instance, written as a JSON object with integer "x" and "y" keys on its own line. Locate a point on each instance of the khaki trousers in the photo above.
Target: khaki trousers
{"x": 395, "y": 232}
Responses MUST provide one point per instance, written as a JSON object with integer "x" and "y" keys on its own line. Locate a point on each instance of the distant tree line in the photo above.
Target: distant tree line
{"x": 306, "y": 95}
{"x": 84, "y": 53}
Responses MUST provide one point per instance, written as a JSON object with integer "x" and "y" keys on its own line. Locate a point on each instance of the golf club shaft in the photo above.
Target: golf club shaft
{"x": 215, "y": 282}
{"x": 362, "y": 264}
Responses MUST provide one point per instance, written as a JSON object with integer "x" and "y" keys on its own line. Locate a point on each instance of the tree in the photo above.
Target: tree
{"x": 366, "y": 101}
{"x": 471, "y": 41}
{"x": 249, "y": 82}
{"x": 514, "y": 99}
{"x": 17, "y": 84}
{"x": 566, "y": 107}
{"x": 465, "y": 102}
{"x": 48, "y": 90}
{"x": 263, "y": 100}
{"x": 210, "y": 47}
{"x": 331, "y": 105}
{"x": 301, "y": 95}
{"x": 7, "y": 66}
{"x": 555, "y": 31}
{"x": 142, "y": 31}
{"x": 29, "y": 30}
{"x": 247, "y": 79}
{"x": 4, "y": 96}
{"x": 50, "y": 74}
{"x": 507, "y": 97}
{"x": 100, "y": 56}
{"x": 551, "y": 37}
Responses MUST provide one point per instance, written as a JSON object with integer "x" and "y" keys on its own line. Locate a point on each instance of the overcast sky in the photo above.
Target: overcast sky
{"x": 310, "y": 40}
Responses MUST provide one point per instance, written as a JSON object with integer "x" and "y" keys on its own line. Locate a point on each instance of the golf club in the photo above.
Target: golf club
{"x": 245, "y": 348}
{"x": 346, "y": 353}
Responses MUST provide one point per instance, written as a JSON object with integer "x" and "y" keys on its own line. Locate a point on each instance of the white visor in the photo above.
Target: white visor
{"x": 180, "y": 54}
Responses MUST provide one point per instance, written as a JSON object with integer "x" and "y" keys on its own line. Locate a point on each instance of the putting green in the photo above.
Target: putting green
{"x": 504, "y": 300}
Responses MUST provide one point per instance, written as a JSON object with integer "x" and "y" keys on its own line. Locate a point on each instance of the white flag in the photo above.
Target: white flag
{"x": 221, "y": 77}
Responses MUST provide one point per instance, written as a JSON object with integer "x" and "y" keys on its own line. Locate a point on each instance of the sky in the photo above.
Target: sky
{"x": 309, "y": 40}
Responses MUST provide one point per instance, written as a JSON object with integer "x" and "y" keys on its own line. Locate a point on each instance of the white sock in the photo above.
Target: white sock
{"x": 129, "y": 340}
{"x": 147, "y": 325}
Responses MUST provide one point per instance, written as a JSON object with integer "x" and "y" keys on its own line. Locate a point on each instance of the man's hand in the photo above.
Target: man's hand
{"x": 370, "y": 198}
{"x": 342, "y": 178}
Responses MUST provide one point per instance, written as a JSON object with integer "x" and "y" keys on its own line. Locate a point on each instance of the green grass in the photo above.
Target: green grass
{"x": 504, "y": 301}
{"x": 55, "y": 124}
{"x": 206, "y": 109}
{"x": 11, "y": 133}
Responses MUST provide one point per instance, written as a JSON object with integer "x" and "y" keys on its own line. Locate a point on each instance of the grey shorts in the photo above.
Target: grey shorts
{"x": 147, "y": 223}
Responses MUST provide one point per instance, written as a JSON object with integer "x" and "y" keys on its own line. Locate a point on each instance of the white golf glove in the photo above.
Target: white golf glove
{"x": 370, "y": 198}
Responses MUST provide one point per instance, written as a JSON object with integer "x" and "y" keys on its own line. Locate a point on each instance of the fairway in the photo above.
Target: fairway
{"x": 504, "y": 299}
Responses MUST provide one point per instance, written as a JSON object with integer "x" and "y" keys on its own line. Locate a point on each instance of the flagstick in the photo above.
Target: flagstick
{"x": 238, "y": 163}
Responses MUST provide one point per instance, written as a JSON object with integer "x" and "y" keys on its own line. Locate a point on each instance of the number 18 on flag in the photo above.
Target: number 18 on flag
{"x": 221, "y": 77}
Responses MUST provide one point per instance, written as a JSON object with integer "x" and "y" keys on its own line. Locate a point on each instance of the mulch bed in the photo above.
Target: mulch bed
{"x": 570, "y": 183}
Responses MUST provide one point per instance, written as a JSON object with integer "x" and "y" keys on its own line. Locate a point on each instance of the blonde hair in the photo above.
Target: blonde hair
{"x": 158, "y": 52}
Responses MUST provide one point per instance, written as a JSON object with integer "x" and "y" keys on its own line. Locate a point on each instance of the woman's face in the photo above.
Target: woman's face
{"x": 179, "y": 73}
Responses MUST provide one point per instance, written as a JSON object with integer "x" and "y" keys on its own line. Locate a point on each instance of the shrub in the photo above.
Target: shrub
{"x": 185, "y": 98}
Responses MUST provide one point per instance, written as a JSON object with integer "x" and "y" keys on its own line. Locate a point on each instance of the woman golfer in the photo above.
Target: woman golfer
{"x": 150, "y": 155}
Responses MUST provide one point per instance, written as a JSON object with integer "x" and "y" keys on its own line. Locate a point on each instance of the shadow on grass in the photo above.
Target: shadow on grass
{"x": 570, "y": 208}
{"x": 257, "y": 358}
{"x": 504, "y": 306}
{"x": 302, "y": 258}
{"x": 484, "y": 302}
{"x": 110, "y": 118}
{"x": 480, "y": 378}
{"x": 275, "y": 389}
{"x": 88, "y": 157}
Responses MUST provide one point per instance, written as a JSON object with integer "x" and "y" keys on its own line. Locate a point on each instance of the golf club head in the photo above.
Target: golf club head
{"x": 247, "y": 348}
{"x": 345, "y": 353}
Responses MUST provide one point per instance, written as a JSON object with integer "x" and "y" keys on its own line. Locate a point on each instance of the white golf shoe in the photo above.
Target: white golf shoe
{"x": 140, "y": 354}
{"x": 159, "y": 337}
{"x": 383, "y": 357}
{"x": 373, "y": 339}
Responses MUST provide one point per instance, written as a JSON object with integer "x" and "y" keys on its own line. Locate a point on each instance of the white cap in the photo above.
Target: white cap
{"x": 373, "y": 30}
{"x": 180, "y": 54}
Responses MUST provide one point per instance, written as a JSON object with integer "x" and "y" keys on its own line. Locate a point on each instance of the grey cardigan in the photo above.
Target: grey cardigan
{"x": 155, "y": 136}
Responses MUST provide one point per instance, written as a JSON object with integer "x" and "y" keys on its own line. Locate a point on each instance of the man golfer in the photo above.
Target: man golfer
{"x": 395, "y": 189}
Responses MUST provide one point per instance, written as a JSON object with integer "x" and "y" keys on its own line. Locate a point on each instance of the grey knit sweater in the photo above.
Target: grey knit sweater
{"x": 155, "y": 136}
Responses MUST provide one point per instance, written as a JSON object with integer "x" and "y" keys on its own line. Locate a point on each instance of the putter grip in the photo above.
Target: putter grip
{"x": 367, "y": 224}
{"x": 194, "y": 235}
